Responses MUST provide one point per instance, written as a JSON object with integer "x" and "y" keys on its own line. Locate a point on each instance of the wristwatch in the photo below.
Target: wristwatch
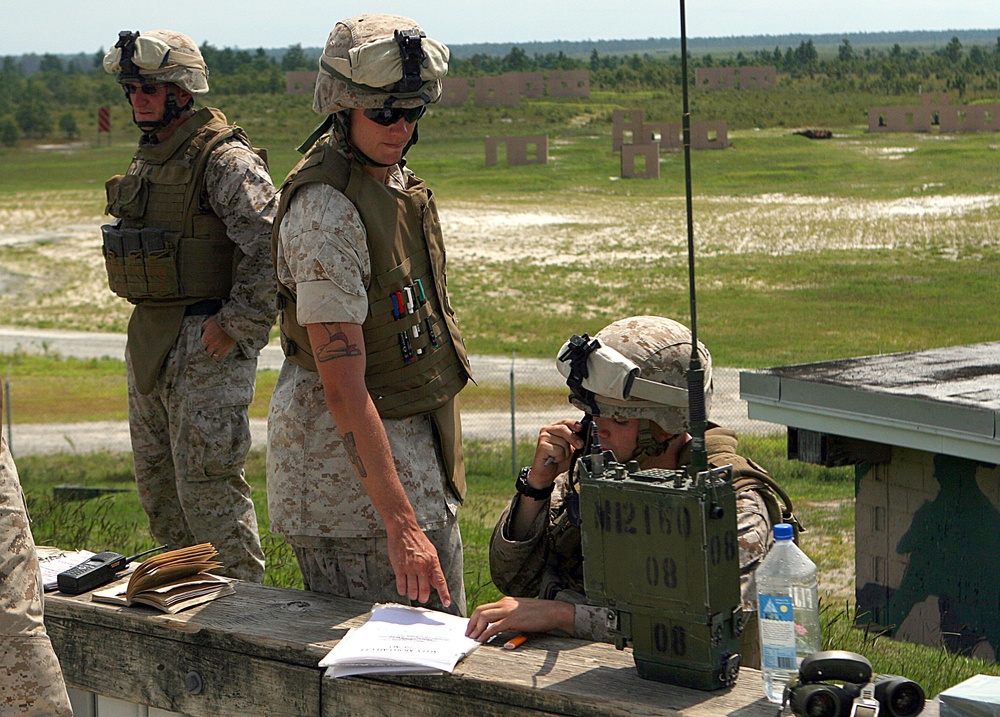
{"x": 526, "y": 489}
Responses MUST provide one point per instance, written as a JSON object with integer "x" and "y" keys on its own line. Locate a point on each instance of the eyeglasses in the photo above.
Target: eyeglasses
{"x": 146, "y": 89}
{"x": 388, "y": 116}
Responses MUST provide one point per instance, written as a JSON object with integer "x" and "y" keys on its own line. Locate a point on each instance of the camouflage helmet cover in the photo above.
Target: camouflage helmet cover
{"x": 363, "y": 65}
{"x": 661, "y": 348}
{"x": 160, "y": 56}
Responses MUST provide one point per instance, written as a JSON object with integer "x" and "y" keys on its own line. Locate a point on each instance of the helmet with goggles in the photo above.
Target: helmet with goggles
{"x": 158, "y": 56}
{"x": 379, "y": 62}
{"x": 635, "y": 368}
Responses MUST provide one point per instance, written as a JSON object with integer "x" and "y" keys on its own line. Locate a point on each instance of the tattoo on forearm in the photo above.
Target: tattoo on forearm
{"x": 337, "y": 345}
{"x": 353, "y": 455}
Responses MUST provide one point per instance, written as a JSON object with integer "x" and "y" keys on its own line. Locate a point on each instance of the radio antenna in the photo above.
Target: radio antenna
{"x": 695, "y": 372}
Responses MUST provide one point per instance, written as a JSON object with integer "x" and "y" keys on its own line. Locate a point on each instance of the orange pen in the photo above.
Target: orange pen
{"x": 515, "y": 642}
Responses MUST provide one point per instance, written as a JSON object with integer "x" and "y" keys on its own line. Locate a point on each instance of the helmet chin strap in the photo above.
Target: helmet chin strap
{"x": 171, "y": 112}
{"x": 342, "y": 131}
{"x": 645, "y": 445}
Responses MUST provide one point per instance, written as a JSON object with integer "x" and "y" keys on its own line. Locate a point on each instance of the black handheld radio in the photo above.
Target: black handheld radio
{"x": 95, "y": 571}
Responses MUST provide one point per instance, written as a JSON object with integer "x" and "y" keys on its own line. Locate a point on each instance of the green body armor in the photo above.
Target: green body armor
{"x": 166, "y": 247}
{"x": 416, "y": 361}
{"x": 167, "y": 250}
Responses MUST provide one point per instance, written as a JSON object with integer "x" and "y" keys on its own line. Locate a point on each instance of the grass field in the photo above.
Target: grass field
{"x": 806, "y": 251}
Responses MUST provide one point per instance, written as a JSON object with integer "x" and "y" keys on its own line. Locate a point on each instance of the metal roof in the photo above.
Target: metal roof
{"x": 943, "y": 400}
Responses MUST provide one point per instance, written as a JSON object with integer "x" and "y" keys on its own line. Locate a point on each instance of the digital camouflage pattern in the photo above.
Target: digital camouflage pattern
{"x": 661, "y": 348}
{"x": 940, "y": 534}
{"x": 240, "y": 192}
{"x": 549, "y": 564}
{"x": 190, "y": 439}
{"x": 184, "y": 66}
{"x": 313, "y": 490}
{"x": 334, "y": 94}
{"x": 322, "y": 235}
{"x": 31, "y": 682}
{"x": 359, "y": 568}
{"x": 191, "y": 433}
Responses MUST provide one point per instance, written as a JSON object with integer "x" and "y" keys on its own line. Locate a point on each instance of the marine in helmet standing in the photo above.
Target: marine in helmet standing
{"x": 535, "y": 552}
{"x": 364, "y": 458}
{"x": 190, "y": 248}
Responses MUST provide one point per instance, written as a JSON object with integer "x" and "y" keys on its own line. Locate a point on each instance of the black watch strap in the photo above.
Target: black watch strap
{"x": 526, "y": 489}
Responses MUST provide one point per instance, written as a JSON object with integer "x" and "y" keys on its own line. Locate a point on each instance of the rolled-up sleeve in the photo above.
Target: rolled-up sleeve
{"x": 323, "y": 256}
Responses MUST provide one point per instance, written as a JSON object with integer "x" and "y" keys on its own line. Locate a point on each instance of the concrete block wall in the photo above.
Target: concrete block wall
{"x": 925, "y": 538}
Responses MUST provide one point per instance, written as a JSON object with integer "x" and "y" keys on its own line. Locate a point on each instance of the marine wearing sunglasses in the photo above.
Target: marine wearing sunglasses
{"x": 388, "y": 116}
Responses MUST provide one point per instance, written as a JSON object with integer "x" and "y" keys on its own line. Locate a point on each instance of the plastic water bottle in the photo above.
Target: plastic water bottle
{"x": 788, "y": 611}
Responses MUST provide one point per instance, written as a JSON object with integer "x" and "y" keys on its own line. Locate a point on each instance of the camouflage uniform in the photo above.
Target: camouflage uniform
{"x": 314, "y": 496}
{"x": 549, "y": 564}
{"x": 31, "y": 682}
{"x": 191, "y": 433}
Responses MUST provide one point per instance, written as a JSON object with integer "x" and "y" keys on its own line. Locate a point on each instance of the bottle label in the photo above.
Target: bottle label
{"x": 777, "y": 632}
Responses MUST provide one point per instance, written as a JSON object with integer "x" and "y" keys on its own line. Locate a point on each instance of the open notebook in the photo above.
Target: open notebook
{"x": 171, "y": 582}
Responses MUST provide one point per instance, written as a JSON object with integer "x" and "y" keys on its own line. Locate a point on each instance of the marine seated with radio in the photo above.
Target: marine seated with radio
{"x": 603, "y": 538}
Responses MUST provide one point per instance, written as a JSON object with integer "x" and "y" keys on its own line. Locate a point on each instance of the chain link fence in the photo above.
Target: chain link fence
{"x": 511, "y": 400}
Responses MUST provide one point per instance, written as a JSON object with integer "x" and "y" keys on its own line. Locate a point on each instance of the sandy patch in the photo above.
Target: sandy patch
{"x": 51, "y": 268}
{"x": 615, "y": 230}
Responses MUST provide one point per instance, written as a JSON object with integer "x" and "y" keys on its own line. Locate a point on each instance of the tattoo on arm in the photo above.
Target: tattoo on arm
{"x": 337, "y": 345}
{"x": 353, "y": 455}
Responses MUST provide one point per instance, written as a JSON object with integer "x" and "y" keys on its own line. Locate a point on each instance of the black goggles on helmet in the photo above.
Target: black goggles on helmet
{"x": 388, "y": 116}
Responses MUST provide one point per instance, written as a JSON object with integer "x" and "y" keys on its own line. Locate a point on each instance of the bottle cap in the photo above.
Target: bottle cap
{"x": 783, "y": 531}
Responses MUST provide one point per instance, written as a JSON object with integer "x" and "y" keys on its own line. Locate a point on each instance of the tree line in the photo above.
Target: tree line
{"x": 41, "y": 104}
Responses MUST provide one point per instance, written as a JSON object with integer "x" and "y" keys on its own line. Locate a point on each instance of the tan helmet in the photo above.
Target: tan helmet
{"x": 375, "y": 61}
{"x": 158, "y": 56}
{"x": 661, "y": 349}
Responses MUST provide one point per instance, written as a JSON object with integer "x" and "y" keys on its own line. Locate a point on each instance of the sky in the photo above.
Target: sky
{"x": 71, "y": 26}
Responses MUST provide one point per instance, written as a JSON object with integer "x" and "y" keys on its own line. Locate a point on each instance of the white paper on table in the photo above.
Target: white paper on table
{"x": 54, "y": 563}
{"x": 399, "y": 639}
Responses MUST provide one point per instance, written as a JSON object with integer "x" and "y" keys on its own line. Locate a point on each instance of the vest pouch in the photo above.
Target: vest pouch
{"x": 114, "y": 259}
{"x": 205, "y": 260}
{"x": 136, "y": 285}
{"x": 160, "y": 264}
{"x": 127, "y": 196}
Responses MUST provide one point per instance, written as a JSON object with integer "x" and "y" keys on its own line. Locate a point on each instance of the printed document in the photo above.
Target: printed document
{"x": 400, "y": 639}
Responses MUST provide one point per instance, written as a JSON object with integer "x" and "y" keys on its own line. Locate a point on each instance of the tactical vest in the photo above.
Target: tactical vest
{"x": 416, "y": 360}
{"x": 167, "y": 247}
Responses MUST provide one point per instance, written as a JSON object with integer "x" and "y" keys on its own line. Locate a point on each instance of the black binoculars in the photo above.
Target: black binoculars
{"x": 838, "y": 683}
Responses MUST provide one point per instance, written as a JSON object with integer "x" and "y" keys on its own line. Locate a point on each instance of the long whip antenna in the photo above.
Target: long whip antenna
{"x": 696, "y": 372}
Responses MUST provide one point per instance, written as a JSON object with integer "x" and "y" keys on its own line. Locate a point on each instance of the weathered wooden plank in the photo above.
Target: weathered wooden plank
{"x": 177, "y": 676}
{"x": 257, "y": 653}
{"x": 271, "y": 623}
{"x": 367, "y": 697}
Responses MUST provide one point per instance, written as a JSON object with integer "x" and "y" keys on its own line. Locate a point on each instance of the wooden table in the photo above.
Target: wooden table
{"x": 256, "y": 653}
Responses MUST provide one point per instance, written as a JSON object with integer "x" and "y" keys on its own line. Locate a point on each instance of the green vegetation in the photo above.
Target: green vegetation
{"x": 862, "y": 244}
{"x": 823, "y": 498}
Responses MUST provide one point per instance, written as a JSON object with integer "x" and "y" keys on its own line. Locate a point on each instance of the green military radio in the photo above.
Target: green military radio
{"x": 661, "y": 551}
{"x": 660, "y": 547}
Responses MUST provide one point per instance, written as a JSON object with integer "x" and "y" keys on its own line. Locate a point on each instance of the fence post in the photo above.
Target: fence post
{"x": 513, "y": 428}
{"x": 10, "y": 425}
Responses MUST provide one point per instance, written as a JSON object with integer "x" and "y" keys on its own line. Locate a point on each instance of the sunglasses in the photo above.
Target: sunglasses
{"x": 388, "y": 116}
{"x": 146, "y": 89}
